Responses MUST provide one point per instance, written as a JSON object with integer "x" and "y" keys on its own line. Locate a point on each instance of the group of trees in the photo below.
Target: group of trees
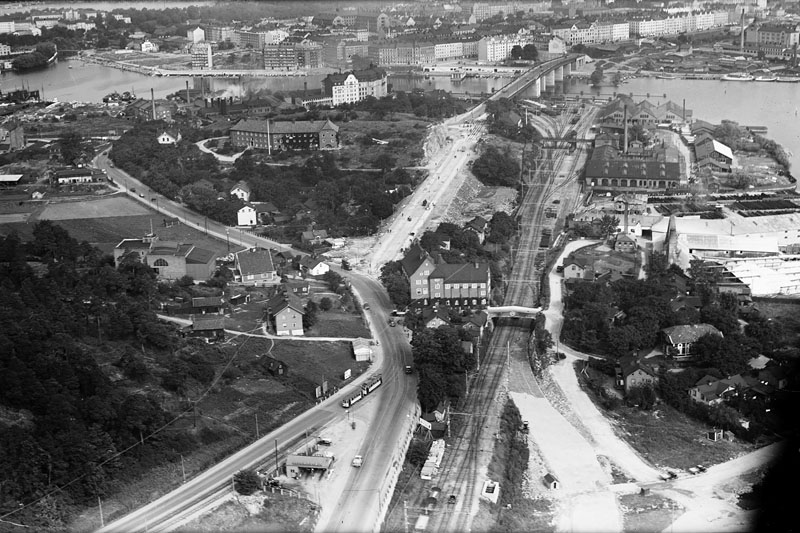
{"x": 432, "y": 104}
{"x": 527, "y": 52}
{"x": 347, "y": 203}
{"x": 65, "y": 420}
{"x": 504, "y": 120}
{"x": 496, "y": 168}
{"x": 37, "y": 58}
{"x": 441, "y": 364}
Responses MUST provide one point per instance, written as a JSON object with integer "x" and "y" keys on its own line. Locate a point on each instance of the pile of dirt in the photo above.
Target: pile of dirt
{"x": 458, "y": 209}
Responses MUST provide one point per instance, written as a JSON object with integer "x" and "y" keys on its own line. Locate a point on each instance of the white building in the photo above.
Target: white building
{"x": 196, "y": 35}
{"x": 148, "y": 46}
{"x": 7, "y": 26}
{"x": 493, "y": 49}
{"x": 351, "y": 87}
{"x": 5, "y": 50}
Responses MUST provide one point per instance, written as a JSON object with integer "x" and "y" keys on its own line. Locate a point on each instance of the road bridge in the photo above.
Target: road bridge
{"x": 513, "y": 311}
{"x": 541, "y": 76}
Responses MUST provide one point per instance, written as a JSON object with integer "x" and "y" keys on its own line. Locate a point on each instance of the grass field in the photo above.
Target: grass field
{"x": 114, "y": 206}
{"x": 106, "y": 232}
{"x": 648, "y": 513}
{"x": 337, "y": 323}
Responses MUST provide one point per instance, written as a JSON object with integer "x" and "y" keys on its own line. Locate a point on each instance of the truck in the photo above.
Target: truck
{"x": 358, "y": 461}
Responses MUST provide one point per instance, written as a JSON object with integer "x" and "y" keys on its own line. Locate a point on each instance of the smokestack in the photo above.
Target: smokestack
{"x": 684, "y": 110}
{"x": 187, "y": 91}
{"x": 153, "y": 101}
{"x": 625, "y": 201}
{"x": 625, "y": 124}
{"x": 741, "y": 33}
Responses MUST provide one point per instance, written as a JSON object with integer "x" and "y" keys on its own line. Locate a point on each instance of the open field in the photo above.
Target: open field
{"x": 338, "y": 323}
{"x": 307, "y": 362}
{"x": 106, "y": 232}
{"x": 261, "y": 512}
{"x": 652, "y": 512}
{"x": 405, "y": 134}
{"x": 115, "y": 206}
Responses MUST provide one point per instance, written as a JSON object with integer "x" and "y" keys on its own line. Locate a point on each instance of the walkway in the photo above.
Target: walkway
{"x": 221, "y": 158}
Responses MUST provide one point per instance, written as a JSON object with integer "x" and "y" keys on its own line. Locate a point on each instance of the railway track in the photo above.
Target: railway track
{"x": 459, "y": 471}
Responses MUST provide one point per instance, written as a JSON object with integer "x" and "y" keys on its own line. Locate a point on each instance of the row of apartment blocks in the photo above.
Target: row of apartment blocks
{"x": 773, "y": 40}
{"x": 613, "y": 31}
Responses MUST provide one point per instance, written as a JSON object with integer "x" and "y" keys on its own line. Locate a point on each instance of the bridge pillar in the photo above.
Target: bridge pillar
{"x": 537, "y": 89}
{"x": 559, "y": 74}
{"x": 550, "y": 80}
{"x": 543, "y": 84}
{"x": 567, "y": 69}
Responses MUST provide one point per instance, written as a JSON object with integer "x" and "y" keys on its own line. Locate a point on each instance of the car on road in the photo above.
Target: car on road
{"x": 392, "y": 322}
{"x": 408, "y": 369}
{"x": 365, "y": 307}
{"x": 141, "y": 195}
{"x": 133, "y": 190}
{"x": 452, "y": 499}
{"x": 358, "y": 461}
{"x": 409, "y": 219}
{"x": 324, "y": 442}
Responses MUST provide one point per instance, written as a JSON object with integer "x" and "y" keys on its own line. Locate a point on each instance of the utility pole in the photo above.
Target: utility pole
{"x": 257, "y": 435}
{"x": 183, "y": 469}
{"x": 405, "y": 515}
{"x": 277, "y": 466}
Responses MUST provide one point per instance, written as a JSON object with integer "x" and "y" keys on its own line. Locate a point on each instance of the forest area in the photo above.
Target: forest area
{"x": 89, "y": 377}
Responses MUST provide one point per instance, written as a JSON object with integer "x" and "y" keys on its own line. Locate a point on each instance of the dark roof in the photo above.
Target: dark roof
{"x": 429, "y": 314}
{"x": 414, "y": 257}
{"x": 241, "y": 185}
{"x": 632, "y": 169}
{"x": 207, "y": 322}
{"x": 300, "y": 126}
{"x": 631, "y": 364}
{"x": 73, "y": 172}
{"x": 283, "y": 299}
{"x": 207, "y": 301}
{"x": 478, "y": 223}
{"x": 462, "y": 273}
{"x": 254, "y": 261}
{"x": 690, "y": 333}
{"x": 370, "y": 74}
{"x": 200, "y": 256}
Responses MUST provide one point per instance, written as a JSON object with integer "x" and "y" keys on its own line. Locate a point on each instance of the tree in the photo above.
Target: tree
{"x": 325, "y": 304}
{"x": 70, "y": 143}
{"x": 516, "y": 52}
{"x": 608, "y": 225}
{"x": 310, "y": 316}
{"x": 502, "y": 227}
{"x": 246, "y": 482}
{"x": 529, "y": 52}
{"x": 597, "y": 77}
{"x": 396, "y": 284}
{"x": 494, "y": 167}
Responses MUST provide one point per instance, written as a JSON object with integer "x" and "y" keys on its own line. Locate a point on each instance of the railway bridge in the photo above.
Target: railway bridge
{"x": 541, "y": 76}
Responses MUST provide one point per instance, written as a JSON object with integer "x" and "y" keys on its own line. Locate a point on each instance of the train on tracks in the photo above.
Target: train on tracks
{"x": 366, "y": 388}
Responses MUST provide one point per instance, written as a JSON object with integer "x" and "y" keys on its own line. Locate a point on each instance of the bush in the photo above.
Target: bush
{"x": 246, "y": 482}
{"x": 326, "y": 304}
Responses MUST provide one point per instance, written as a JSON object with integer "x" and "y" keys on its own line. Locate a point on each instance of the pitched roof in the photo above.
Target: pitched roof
{"x": 241, "y": 185}
{"x": 300, "y": 126}
{"x": 414, "y": 257}
{"x": 207, "y": 322}
{"x": 689, "y": 333}
{"x": 207, "y": 301}
{"x": 254, "y": 261}
{"x": 199, "y": 256}
{"x": 462, "y": 273}
{"x": 285, "y": 299}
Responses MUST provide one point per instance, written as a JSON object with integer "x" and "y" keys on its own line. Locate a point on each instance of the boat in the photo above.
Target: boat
{"x": 664, "y": 77}
{"x": 738, "y": 76}
{"x": 766, "y": 78}
{"x": 790, "y": 79}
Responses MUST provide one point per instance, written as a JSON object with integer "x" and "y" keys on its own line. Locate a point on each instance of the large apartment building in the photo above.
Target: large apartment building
{"x": 300, "y": 135}
{"x": 498, "y": 48}
{"x": 679, "y": 23}
{"x": 351, "y": 87}
{"x": 455, "y": 285}
{"x": 773, "y": 40}
{"x": 201, "y": 56}
{"x": 409, "y": 53}
{"x": 291, "y": 54}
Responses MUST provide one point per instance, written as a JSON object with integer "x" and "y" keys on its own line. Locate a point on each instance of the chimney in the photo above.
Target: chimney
{"x": 741, "y": 33}
{"x": 625, "y": 123}
{"x": 153, "y": 101}
{"x": 476, "y": 264}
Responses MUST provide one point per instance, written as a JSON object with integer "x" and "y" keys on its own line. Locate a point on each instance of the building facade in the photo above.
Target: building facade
{"x": 300, "y": 135}
{"x": 201, "y": 56}
{"x": 351, "y": 87}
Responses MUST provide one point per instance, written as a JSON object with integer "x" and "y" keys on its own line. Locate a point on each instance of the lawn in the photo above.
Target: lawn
{"x": 405, "y": 134}
{"x": 338, "y": 323}
{"x": 648, "y": 513}
{"x": 106, "y": 232}
{"x": 308, "y": 362}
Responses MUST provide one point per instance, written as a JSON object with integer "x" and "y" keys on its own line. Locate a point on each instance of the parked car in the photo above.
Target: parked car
{"x": 392, "y": 323}
{"x": 408, "y": 369}
{"x": 324, "y": 442}
{"x": 452, "y": 499}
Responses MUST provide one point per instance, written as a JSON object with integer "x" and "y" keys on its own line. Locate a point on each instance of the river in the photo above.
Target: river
{"x": 774, "y": 105}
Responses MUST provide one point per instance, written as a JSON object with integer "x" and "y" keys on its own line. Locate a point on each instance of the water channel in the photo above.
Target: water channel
{"x": 774, "y": 105}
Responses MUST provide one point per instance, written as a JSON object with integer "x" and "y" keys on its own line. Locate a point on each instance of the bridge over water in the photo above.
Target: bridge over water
{"x": 541, "y": 76}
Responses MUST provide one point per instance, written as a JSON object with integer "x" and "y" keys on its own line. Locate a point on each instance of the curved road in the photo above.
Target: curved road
{"x": 397, "y": 398}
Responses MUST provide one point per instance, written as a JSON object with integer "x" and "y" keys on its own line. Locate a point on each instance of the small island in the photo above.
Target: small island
{"x": 42, "y": 55}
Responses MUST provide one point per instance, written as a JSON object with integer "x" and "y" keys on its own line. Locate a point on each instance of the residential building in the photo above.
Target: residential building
{"x": 314, "y": 266}
{"x": 209, "y": 327}
{"x": 196, "y": 35}
{"x": 241, "y": 190}
{"x": 219, "y": 34}
{"x": 498, "y": 48}
{"x": 351, "y": 87}
{"x": 201, "y": 56}
{"x": 208, "y": 305}
{"x": 418, "y": 265}
{"x": 632, "y": 371}
{"x": 679, "y": 340}
{"x": 254, "y": 266}
{"x": 479, "y": 226}
{"x": 12, "y": 136}
{"x": 285, "y": 313}
{"x": 299, "y": 135}
{"x": 170, "y": 260}
{"x": 314, "y": 237}
{"x": 436, "y": 316}
{"x": 461, "y": 285}
{"x": 7, "y": 25}
{"x": 402, "y": 53}
{"x": 149, "y": 47}
{"x": 74, "y": 176}
{"x": 172, "y": 137}
{"x": 5, "y": 50}
{"x": 292, "y": 55}
{"x": 712, "y": 391}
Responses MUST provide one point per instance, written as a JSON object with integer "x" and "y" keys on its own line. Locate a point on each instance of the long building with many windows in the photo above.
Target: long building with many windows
{"x": 299, "y": 135}
{"x": 772, "y": 40}
{"x": 351, "y": 87}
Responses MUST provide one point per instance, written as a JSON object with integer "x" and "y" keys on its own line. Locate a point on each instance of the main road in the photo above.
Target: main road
{"x": 397, "y": 398}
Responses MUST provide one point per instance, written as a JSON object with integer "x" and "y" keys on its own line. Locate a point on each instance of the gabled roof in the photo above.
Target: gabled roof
{"x": 478, "y": 224}
{"x": 462, "y": 273}
{"x": 199, "y": 256}
{"x": 242, "y": 185}
{"x": 207, "y": 301}
{"x": 310, "y": 262}
{"x": 414, "y": 257}
{"x": 283, "y": 300}
{"x": 254, "y": 261}
{"x": 315, "y": 234}
{"x": 441, "y": 313}
{"x": 631, "y": 364}
{"x": 689, "y": 333}
{"x": 207, "y": 322}
{"x": 300, "y": 126}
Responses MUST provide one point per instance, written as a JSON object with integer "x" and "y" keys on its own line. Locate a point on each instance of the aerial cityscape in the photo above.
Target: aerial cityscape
{"x": 369, "y": 266}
